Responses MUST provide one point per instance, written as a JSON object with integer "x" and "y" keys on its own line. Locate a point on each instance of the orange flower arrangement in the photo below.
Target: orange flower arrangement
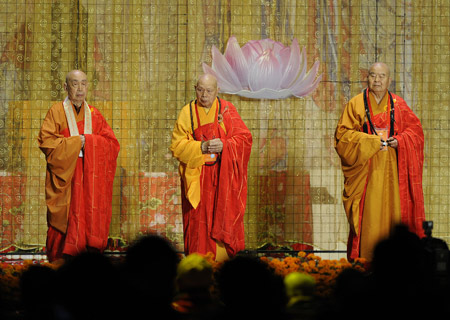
{"x": 323, "y": 271}
{"x": 10, "y": 278}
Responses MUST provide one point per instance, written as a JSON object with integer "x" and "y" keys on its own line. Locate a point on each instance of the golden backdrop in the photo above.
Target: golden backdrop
{"x": 142, "y": 59}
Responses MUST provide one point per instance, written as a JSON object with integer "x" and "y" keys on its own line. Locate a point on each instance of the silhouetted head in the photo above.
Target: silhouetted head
{"x": 247, "y": 285}
{"x": 85, "y": 284}
{"x": 194, "y": 273}
{"x": 149, "y": 272}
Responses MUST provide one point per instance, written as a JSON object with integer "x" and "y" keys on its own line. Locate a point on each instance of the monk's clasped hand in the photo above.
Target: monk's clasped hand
{"x": 215, "y": 146}
{"x": 383, "y": 145}
{"x": 392, "y": 142}
{"x": 83, "y": 140}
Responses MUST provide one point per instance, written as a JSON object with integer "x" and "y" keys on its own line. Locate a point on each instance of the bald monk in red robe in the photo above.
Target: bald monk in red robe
{"x": 81, "y": 152}
{"x": 380, "y": 142}
{"x": 213, "y": 146}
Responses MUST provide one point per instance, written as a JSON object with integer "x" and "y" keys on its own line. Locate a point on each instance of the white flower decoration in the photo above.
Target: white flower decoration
{"x": 263, "y": 69}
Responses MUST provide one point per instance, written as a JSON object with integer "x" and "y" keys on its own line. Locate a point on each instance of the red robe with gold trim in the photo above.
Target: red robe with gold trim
{"x": 214, "y": 197}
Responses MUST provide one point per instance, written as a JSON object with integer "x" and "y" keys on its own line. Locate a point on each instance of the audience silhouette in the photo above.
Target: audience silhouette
{"x": 302, "y": 304}
{"x": 399, "y": 283}
{"x": 402, "y": 282}
{"x": 349, "y": 296}
{"x": 148, "y": 279}
{"x": 408, "y": 279}
{"x": 195, "y": 298}
{"x": 37, "y": 286}
{"x": 250, "y": 289}
{"x": 84, "y": 288}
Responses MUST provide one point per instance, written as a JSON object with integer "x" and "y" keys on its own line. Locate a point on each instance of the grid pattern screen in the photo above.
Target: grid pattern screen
{"x": 143, "y": 58}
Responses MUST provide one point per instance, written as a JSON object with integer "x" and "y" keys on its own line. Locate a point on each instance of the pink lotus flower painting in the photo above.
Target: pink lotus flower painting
{"x": 263, "y": 69}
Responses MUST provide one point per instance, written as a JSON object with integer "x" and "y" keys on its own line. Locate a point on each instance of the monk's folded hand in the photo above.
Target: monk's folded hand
{"x": 392, "y": 142}
{"x": 83, "y": 140}
{"x": 215, "y": 146}
{"x": 383, "y": 144}
{"x": 204, "y": 146}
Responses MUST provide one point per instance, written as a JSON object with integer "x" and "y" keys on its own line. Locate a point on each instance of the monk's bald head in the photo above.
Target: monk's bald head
{"x": 207, "y": 79}
{"x": 379, "y": 79}
{"x": 75, "y": 74}
{"x": 381, "y": 66}
{"x": 206, "y": 90}
{"x": 76, "y": 86}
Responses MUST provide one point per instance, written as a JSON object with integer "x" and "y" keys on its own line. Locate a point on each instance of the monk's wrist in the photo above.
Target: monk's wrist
{"x": 201, "y": 146}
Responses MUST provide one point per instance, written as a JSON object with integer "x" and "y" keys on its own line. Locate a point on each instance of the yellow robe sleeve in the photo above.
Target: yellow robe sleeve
{"x": 355, "y": 148}
{"x": 188, "y": 152}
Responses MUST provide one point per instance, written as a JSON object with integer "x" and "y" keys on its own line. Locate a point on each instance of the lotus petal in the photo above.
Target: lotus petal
{"x": 301, "y": 76}
{"x": 237, "y": 61}
{"x": 308, "y": 83}
{"x": 222, "y": 82}
{"x": 292, "y": 68}
{"x": 265, "y": 94}
{"x": 304, "y": 61}
{"x": 271, "y": 44}
{"x": 252, "y": 50}
{"x": 223, "y": 69}
{"x": 284, "y": 56}
{"x": 263, "y": 69}
{"x": 265, "y": 72}
{"x": 207, "y": 69}
{"x": 255, "y": 48}
{"x": 310, "y": 89}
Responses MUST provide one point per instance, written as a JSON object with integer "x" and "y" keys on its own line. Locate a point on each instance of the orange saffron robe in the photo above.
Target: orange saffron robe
{"x": 381, "y": 188}
{"x": 213, "y": 197}
{"x": 78, "y": 189}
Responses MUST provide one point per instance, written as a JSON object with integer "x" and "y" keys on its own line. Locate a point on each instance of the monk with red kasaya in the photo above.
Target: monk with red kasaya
{"x": 380, "y": 142}
{"x": 213, "y": 146}
{"x": 81, "y": 151}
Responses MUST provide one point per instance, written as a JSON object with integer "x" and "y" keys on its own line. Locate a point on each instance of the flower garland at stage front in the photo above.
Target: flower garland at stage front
{"x": 323, "y": 271}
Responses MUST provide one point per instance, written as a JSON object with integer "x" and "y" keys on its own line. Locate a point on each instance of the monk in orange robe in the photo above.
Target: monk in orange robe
{"x": 380, "y": 142}
{"x": 213, "y": 146}
{"x": 81, "y": 152}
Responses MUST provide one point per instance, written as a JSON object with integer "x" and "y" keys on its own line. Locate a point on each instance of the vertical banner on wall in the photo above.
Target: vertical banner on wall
{"x": 12, "y": 196}
{"x": 159, "y": 205}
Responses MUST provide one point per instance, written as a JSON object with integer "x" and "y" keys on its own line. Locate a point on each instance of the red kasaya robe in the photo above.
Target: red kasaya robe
{"x": 214, "y": 194}
{"x": 370, "y": 174}
{"x": 78, "y": 189}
